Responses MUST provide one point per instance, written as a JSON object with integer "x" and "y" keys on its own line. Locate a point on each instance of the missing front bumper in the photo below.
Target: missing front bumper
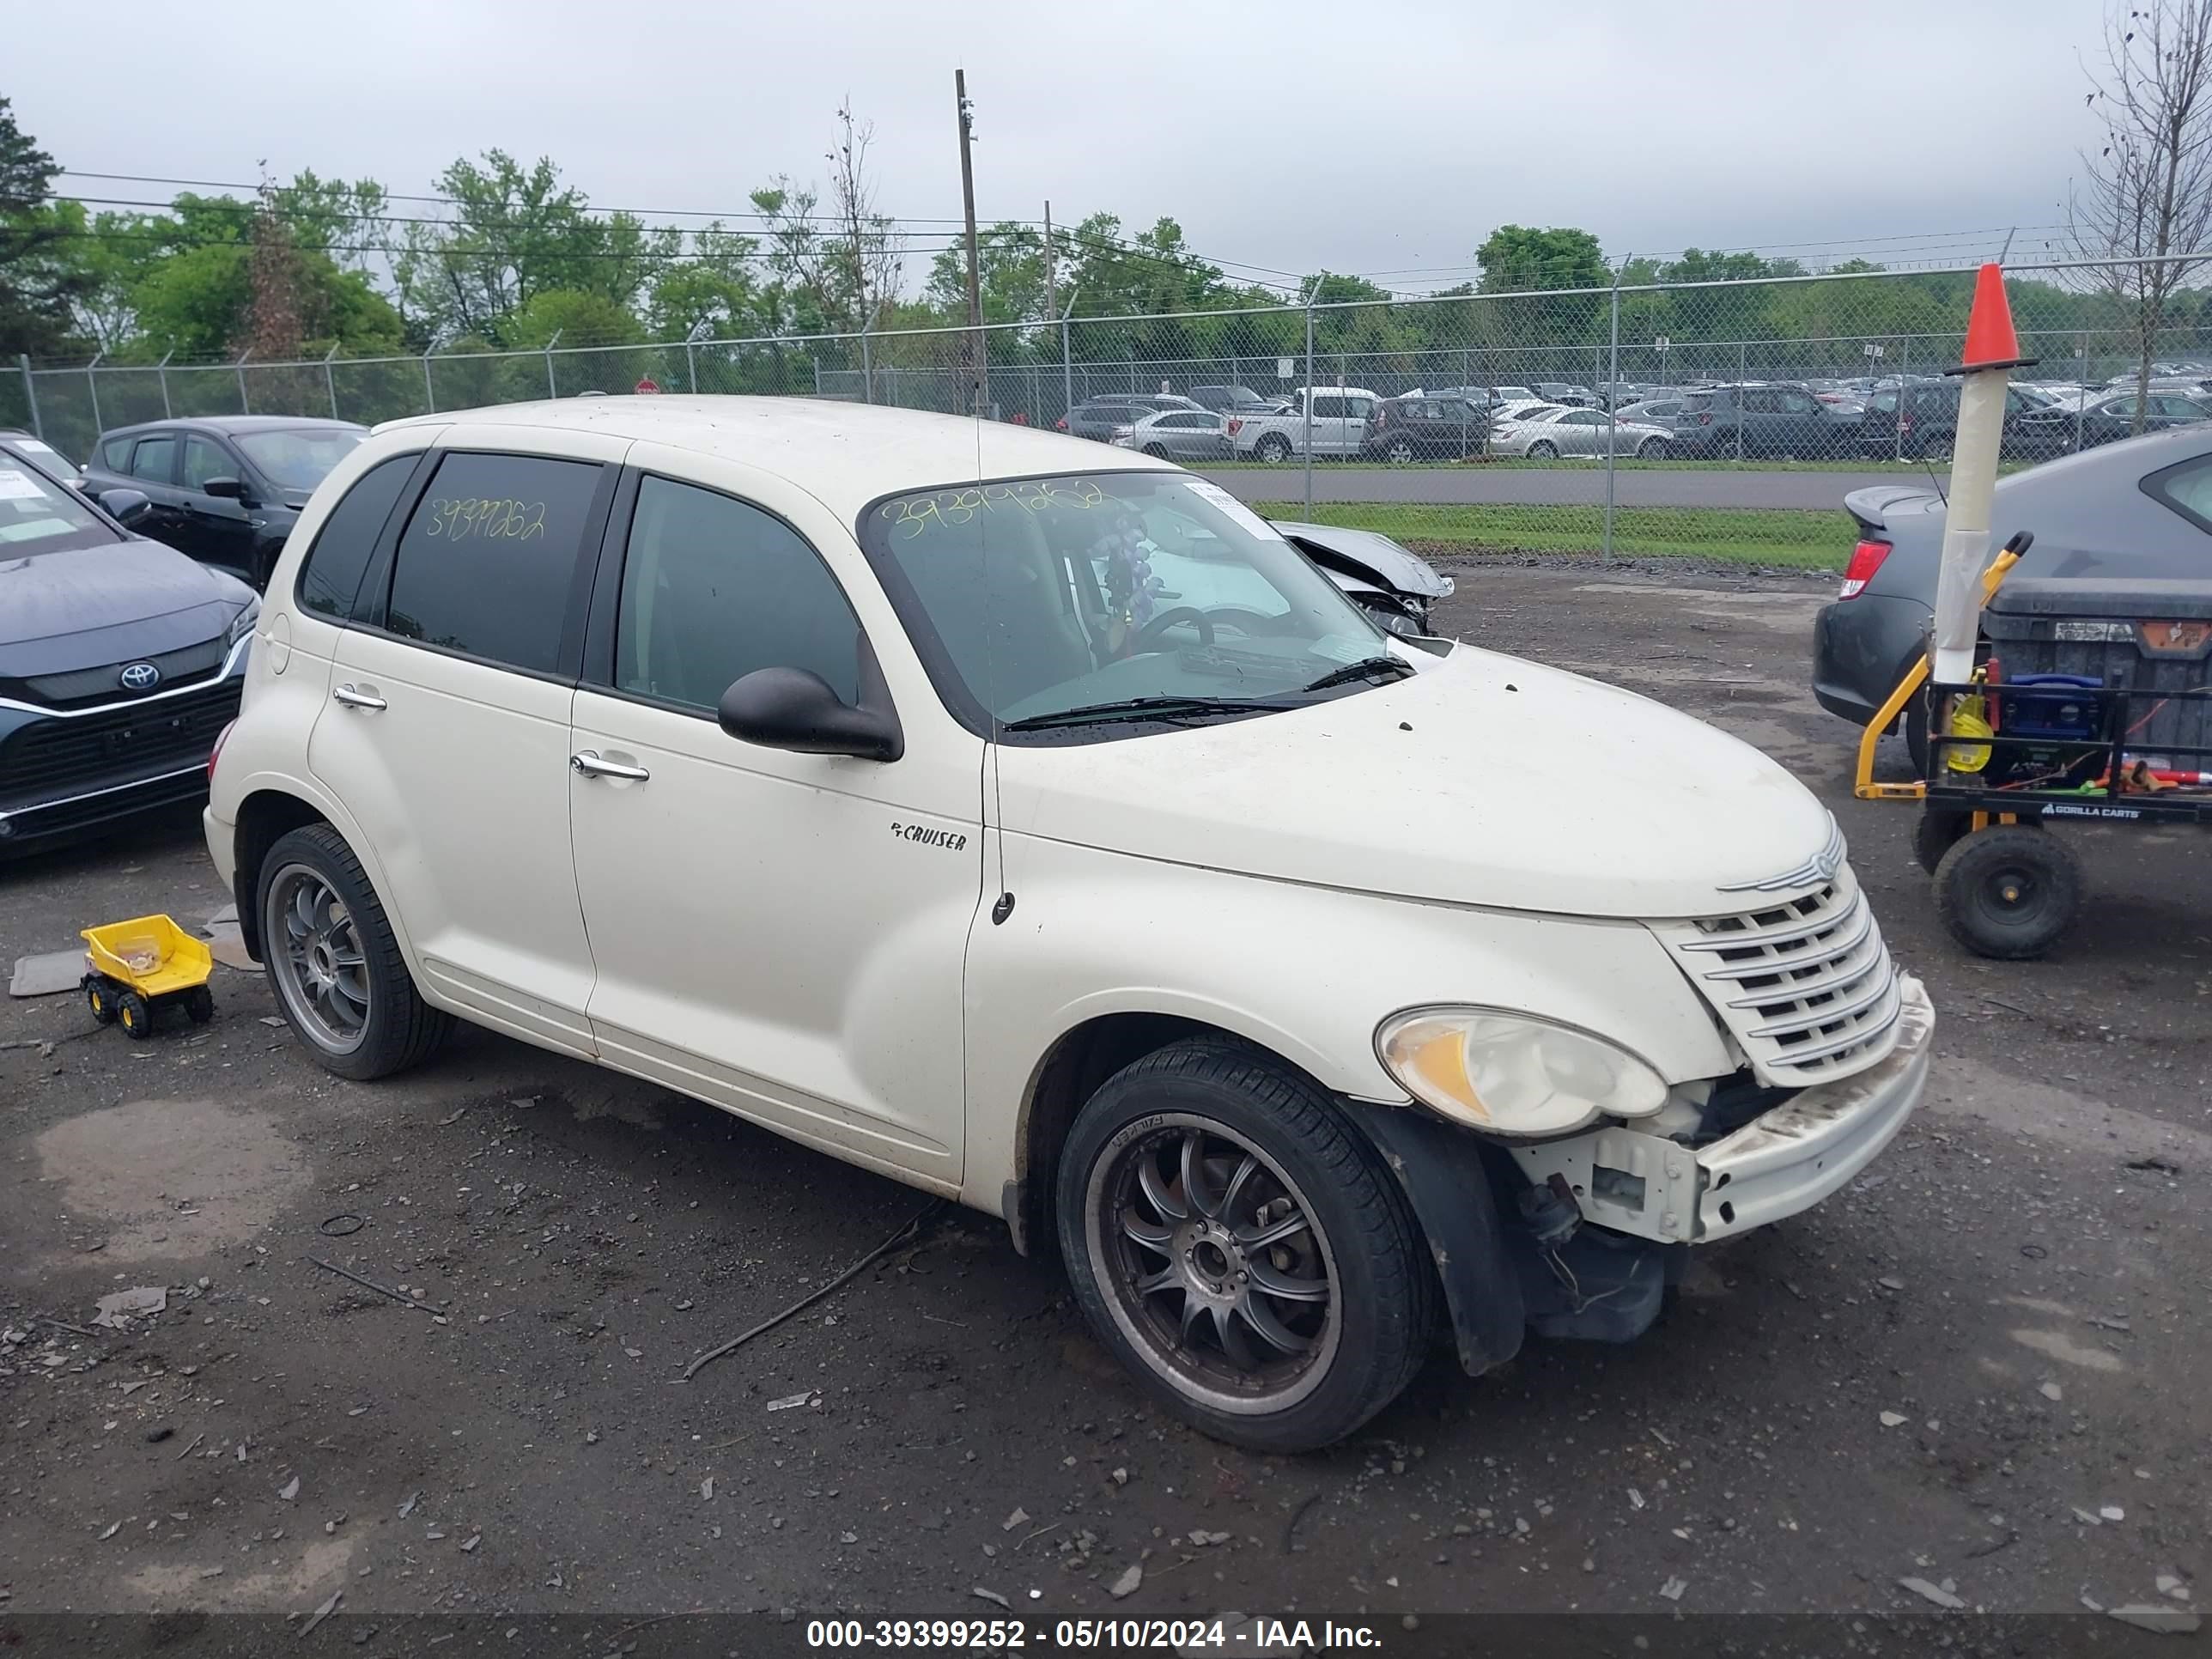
{"x": 1782, "y": 1162}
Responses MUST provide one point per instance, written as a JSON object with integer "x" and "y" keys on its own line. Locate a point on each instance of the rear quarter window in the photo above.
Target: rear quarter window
{"x": 329, "y": 576}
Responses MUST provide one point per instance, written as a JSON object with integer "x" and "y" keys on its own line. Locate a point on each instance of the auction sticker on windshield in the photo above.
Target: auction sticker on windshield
{"x": 1241, "y": 515}
{"x": 15, "y": 487}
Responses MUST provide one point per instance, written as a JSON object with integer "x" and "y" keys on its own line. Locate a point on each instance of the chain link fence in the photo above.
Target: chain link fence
{"x": 1723, "y": 420}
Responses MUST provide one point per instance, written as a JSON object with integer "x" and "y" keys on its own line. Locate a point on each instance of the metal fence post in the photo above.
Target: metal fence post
{"x": 1743, "y": 374}
{"x": 1067, "y": 357}
{"x": 551, "y": 389}
{"x": 245, "y": 403}
{"x": 1613, "y": 380}
{"x": 1306, "y": 398}
{"x": 161, "y": 369}
{"x": 330, "y": 381}
{"x": 1903, "y": 377}
{"x": 430, "y": 392}
{"x": 31, "y": 396}
{"x": 92, "y": 385}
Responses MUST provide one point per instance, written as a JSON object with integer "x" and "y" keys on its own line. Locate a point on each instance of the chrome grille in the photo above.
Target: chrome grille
{"x": 1804, "y": 984}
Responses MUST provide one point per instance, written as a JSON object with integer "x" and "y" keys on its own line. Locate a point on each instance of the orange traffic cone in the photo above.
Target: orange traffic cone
{"x": 1991, "y": 342}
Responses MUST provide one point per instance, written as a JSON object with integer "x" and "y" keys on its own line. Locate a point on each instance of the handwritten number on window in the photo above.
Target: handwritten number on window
{"x": 482, "y": 519}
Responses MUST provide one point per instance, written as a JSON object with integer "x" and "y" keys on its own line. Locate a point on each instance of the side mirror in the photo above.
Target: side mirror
{"x": 228, "y": 489}
{"x": 794, "y": 709}
{"x": 126, "y": 506}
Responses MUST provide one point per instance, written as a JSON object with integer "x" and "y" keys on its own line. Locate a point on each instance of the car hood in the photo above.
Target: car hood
{"x": 1363, "y": 553}
{"x": 1483, "y": 780}
{"x": 79, "y": 605}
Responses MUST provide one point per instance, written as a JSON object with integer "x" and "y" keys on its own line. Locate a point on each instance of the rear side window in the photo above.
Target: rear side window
{"x": 2187, "y": 488}
{"x": 115, "y": 454}
{"x": 714, "y": 588}
{"x": 487, "y": 560}
{"x": 331, "y": 575}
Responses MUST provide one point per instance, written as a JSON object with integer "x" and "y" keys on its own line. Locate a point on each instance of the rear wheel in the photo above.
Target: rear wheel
{"x": 333, "y": 962}
{"x": 99, "y": 997}
{"x": 2009, "y": 892}
{"x": 1935, "y": 834}
{"x": 1275, "y": 448}
{"x": 1543, "y": 450}
{"x": 1157, "y": 452}
{"x": 1651, "y": 449}
{"x": 199, "y": 1005}
{"x": 1241, "y": 1248}
{"x": 1399, "y": 450}
{"x": 1934, "y": 447}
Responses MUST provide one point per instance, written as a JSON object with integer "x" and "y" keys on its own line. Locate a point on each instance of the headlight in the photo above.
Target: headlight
{"x": 242, "y": 623}
{"x": 1511, "y": 1073}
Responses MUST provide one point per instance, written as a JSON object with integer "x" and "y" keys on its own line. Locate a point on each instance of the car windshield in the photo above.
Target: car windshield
{"x": 44, "y": 456}
{"x": 300, "y": 459}
{"x": 1036, "y": 597}
{"x": 37, "y": 515}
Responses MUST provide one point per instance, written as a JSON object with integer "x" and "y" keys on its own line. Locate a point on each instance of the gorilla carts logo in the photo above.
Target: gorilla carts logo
{"x": 139, "y": 677}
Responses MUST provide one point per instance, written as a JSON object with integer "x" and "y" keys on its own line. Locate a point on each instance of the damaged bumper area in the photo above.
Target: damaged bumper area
{"x": 1785, "y": 1161}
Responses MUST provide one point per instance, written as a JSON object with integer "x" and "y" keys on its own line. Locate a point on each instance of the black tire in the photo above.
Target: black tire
{"x": 135, "y": 1015}
{"x": 2008, "y": 891}
{"x": 99, "y": 997}
{"x": 1915, "y": 734}
{"x": 1274, "y": 449}
{"x": 1399, "y": 452}
{"x": 1651, "y": 449}
{"x": 398, "y": 1029}
{"x": 1935, "y": 834}
{"x": 199, "y": 1005}
{"x": 1357, "y": 1233}
{"x": 1542, "y": 451}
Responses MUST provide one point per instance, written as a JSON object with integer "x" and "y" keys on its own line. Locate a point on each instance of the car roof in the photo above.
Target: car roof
{"x": 846, "y": 455}
{"x": 236, "y": 423}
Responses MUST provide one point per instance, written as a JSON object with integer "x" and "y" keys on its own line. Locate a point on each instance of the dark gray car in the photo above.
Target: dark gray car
{"x": 2139, "y": 508}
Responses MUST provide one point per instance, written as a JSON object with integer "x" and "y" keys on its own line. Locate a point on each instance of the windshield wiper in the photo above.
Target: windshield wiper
{"x": 1365, "y": 668}
{"x": 1142, "y": 709}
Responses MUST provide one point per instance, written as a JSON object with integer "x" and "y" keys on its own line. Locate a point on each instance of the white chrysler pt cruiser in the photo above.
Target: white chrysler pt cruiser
{"x": 1031, "y": 822}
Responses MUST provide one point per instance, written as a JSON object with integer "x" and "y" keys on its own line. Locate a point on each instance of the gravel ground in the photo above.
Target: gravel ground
{"x": 1972, "y": 1368}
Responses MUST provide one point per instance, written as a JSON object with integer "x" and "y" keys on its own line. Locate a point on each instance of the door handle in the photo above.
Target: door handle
{"x": 588, "y": 763}
{"x": 353, "y": 697}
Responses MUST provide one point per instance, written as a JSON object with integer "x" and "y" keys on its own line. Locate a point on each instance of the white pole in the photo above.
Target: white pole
{"x": 1991, "y": 352}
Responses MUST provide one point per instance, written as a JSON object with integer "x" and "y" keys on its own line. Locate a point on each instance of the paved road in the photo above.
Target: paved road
{"x": 1564, "y": 485}
{"x": 1982, "y": 1365}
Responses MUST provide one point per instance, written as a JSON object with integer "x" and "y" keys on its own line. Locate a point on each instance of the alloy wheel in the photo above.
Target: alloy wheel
{"x": 317, "y": 956}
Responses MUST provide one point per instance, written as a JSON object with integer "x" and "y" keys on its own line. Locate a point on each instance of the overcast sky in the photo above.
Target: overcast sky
{"x": 1369, "y": 136}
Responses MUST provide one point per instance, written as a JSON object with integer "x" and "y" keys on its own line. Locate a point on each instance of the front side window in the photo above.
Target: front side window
{"x": 203, "y": 461}
{"x": 156, "y": 460}
{"x": 299, "y": 460}
{"x": 714, "y": 588}
{"x": 332, "y": 574}
{"x": 37, "y": 515}
{"x": 487, "y": 560}
{"x": 1043, "y": 600}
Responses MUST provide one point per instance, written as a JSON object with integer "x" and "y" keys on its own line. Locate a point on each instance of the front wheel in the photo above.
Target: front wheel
{"x": 333, "y": 962}
{"x": 1241, "y": 1249}
{"x": 135, "y": 1014}
{"x": 2008, "y": 892}
{"x": 1651, "y": 449}
{"x": 99, "y": 997}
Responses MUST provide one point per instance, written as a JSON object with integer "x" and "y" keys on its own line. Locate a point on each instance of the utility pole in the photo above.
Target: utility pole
{"x": 1051, "y": 283}
{"x": 980, "y": 373}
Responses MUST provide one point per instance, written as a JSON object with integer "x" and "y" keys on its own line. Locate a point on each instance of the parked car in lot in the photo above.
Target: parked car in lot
{"x": 21, "y": 449}
{"x": 1930, "y": 422}
{"x": 1178, "y": 434}
{"x": 1423, "y": 428}
{"x": 1548, "y": 434}
{"x": 2142, "y": 507}
{"x": 1567, "y": 392}
{"x": 120, "y": 659}
{"x": 1336, "y": 418}
{"x": 225, "y": 489}
{"x": 1381, "y": 1016}
{"x": 1098, "y": 418}
{"x": 1227, "y": 400}
{"x": 2056, "y": 428}
{"x": 1661, "y": 412}
{"x": 1766, "y": 420}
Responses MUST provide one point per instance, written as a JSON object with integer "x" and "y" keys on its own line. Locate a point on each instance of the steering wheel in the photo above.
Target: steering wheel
{"x": 1148, "y": 634}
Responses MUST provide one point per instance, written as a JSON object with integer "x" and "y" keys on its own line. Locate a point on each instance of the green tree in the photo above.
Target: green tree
{"x": 40, "y": 282}
{"x": 1516, "y": 259}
